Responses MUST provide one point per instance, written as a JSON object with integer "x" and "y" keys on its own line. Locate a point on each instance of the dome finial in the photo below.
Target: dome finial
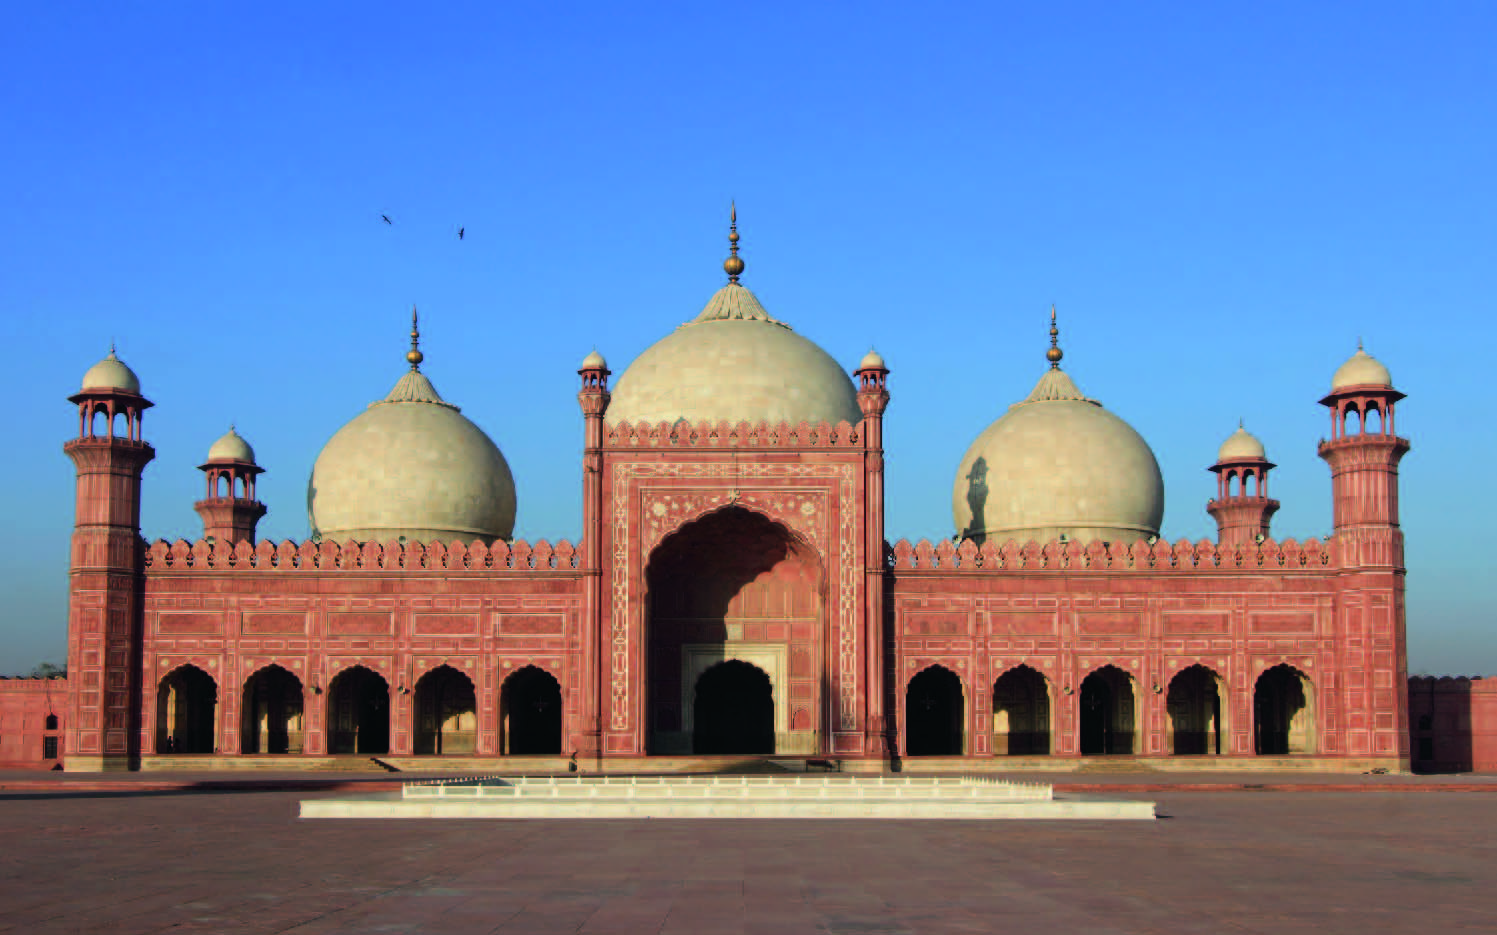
{"x": 414, "y": 355}
{"x": 1054, "y": 354}
{"x": 733, "y": 265}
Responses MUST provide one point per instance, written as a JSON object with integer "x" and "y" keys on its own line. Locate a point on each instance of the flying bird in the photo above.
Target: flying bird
{"x": 386, "y": 219}
{"x": 460, "y": 232}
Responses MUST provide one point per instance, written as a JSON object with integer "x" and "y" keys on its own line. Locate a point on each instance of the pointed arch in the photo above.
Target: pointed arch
{"x": 272, "y": 711}
{"x": 530, "y": 712}
{"x": 1194, "y": 706}
{"x": 186, "y": 711}
{"x": 1283, "y": 712}
{"x": 1021, "y": 713}
{"x": 733, "y": 710}
{"x": 1109, "y": 715}
{"x": 446, "y": 713}
{"x": 358, "y": 712}
{"x": 934, "y": 713}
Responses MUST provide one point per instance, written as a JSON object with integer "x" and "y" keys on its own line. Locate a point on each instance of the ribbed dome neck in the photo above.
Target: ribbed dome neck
{"x": 734, "y": 302}
{"x": 1055, "y": 386}
{"x": 414, "y": 387}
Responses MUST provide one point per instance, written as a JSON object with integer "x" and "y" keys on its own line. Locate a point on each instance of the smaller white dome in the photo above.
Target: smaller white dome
{"x": 111, "y": 374}
{"x": 872, "y": 361}
{"x": 1241, "y": 445}
{"x": 594, "y": 361}
{"x": 231, "y": 448}
{"x": 1361, "y": 369}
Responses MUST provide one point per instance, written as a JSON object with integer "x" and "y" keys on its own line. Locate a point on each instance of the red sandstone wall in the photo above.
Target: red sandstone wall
{"x": 1453, "y": 724}
{"x": 400, "y": 616}
{"x": 25, "y": 705}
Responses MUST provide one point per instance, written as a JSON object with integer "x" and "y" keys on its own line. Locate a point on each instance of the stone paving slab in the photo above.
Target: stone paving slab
{"x": 224, "y": 862}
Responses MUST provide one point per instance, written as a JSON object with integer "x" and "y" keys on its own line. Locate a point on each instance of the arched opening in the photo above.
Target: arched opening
{"x": 1021, "y": 713}
{"x": 734, "y": 585}
{"x": 220, "y": 485}
{"x": 98, "y": 422}
{"x": 530, "y": 713}
{"x": 446, "y": 713}
{"x": 272, "y": 720}
{"x": 1283, "y": 712}
{"x": 732, "y": 710}
{"x": 1351, "y": 420}
{"x": 119, "y": 425}
{"x": 1372, "y": 422}
{"x": 51, "y": 722}
{"x": 1194, "y": 705}
{"x": 933, "y": 713}
{"x": 1250, "y": 483}
{"x": 358, "y": 712}
{"x": 186, "y": 712}
{"x": 239, "y": 487}
{"x": 1232, "y": 483}
{"x": 1107, "y": 718}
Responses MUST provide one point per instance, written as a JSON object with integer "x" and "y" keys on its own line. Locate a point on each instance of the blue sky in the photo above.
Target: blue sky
{"x": 1219, "y": 201}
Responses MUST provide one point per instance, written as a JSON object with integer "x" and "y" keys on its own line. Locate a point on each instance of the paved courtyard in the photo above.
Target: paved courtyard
{"x": 241, "y": 862}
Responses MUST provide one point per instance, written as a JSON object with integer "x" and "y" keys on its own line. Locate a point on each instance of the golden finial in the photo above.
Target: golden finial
{"x": 414, "y": 355}
{"x": 733, "y": 265}
{"x": 1054, "y": 354}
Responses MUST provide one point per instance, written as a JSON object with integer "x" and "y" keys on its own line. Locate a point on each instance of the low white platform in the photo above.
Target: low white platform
{"x": 796, "y": 796}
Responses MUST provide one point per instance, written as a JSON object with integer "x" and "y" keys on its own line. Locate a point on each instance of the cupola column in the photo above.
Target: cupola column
{"x": 105, "y": 574}
{"x": 230, "y": 510}
{"x": 880, "y": 730}
{"x": 593, "y": 397}
{"x": 1242, "y": 508}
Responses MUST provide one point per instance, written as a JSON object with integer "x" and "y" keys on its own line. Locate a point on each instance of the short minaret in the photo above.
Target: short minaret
{"x": 1242, "y": 508}
{"x": 1363, "y": 453}
{"x": 881, "y": 729}
{"x": 593, "y": 397}
{"x": 105, "y": 570}
{"x": 230, "y": 510}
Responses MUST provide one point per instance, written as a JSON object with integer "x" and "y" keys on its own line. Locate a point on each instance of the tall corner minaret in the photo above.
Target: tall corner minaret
{"x": 105, "y": 571}
{"x": 880, "y": 728}
{"x": 1363, "y": 452}
{"x": 1242, "y": 508}
{"x": 1370, "y": 627}
{"x": 230, "y": 510}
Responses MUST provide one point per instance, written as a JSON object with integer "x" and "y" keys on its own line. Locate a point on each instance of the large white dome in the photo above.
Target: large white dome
{"x": 411, "y": 465}
{"x": 1057, "y": 464}
{"x": 734, "y": 363}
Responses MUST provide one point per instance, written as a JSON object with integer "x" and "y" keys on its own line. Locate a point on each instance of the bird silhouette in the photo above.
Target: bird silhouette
{"x": 386, "y": 219}
{"x": 460, "y": 232}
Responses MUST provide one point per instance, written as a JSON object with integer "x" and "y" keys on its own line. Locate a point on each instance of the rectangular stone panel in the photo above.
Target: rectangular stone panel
{"x": 935, "y": 624}
{"x": 1021, "y": 623}
{"x": 1281, "y": 623}
{"x": 529, "y": 624}
{"x": 446, "y": 624}
{"x": 367, "y": 623}
{"x": 1195, "y": 623}
{"x": 175, "y": 624}
{"x": 262, "y": 623}
{"x": 1111, "y": 624}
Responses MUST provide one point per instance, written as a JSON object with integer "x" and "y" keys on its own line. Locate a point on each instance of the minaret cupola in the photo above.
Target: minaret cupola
{"x": 1242, "y": 508}
{"x": 230, "y": 509}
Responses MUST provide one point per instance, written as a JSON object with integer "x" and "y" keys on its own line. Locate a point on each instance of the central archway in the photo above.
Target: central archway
{"x": 733, "y": 710}
{"x": 734, "y": 586}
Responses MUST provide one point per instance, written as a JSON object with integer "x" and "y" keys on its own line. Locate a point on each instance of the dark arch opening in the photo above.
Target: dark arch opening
{"x": 530, "y": 712}
{"x": 1195, "y": 712}
{"x": 1021, "y": 713}
{"x": 186, "y": 711}
{"x": 51, "y": 722}
{"x": 733, "y": 710}
{"x": 1283, "y": 713}
{"x": 272, "y": 719}
{"x": 733, "y": 576}
{"x": 358, "y": 704}
{"x": 933, "y": 713}
{"x": 446, "y": 713}
{"x": 1107, "y": 713}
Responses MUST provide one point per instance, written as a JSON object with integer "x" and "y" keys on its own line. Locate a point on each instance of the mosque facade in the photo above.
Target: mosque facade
{"x": 733, "y": 593}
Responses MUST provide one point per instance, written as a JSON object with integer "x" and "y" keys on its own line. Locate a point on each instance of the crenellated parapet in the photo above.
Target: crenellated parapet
{"x": 219, "y": 556}
{"x": 734, "y": 435}
{"x": 1161, "y": 556}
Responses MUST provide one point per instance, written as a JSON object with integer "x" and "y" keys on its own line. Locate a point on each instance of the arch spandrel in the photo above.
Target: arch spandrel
{"x": 802, "y": 514}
